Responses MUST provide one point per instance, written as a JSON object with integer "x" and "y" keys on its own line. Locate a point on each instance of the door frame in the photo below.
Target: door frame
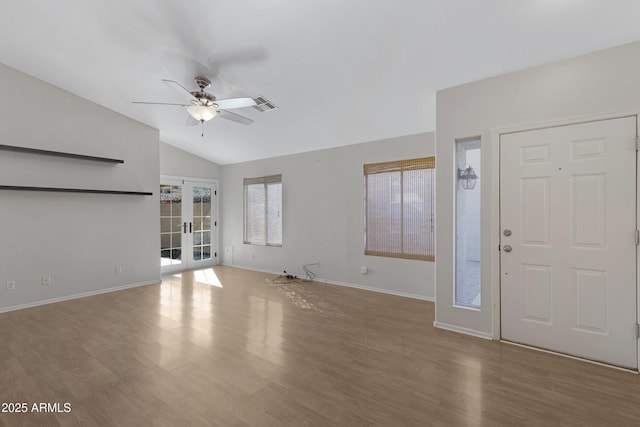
{"x": 494, "y": 136}
{"x": 215, "y": 233}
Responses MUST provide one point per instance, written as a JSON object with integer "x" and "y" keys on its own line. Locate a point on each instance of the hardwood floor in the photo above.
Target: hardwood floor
{"x": 240, "y": 351}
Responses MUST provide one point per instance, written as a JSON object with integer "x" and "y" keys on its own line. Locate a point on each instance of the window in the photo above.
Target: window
{"x": 467, "y": 237}
{"x": 263, "y": 210}
{"x": 398, "y": 199}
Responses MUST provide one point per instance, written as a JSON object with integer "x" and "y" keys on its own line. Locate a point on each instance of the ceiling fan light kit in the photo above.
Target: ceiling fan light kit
{"x": 202, "y": 113}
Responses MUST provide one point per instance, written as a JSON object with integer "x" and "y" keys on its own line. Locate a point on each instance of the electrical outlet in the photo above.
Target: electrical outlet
{"x": 46, "y": 280}
{"x": 11, "y": 285}
{"x": 118, "y": 269}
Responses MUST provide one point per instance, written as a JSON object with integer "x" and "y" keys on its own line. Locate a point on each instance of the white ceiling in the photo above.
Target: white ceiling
{"x": 340, "y": 71}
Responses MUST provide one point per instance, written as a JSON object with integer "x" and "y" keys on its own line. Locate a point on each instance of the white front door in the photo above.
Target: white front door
{"x": 568, "y": 251}
{"x": 188, "y": 224}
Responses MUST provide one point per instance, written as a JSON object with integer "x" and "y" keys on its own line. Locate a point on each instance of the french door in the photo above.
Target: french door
{"x": 188, "y": 224}
{"x": 568, "y": 249}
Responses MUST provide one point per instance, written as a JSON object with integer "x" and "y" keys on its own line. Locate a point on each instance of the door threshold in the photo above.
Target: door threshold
{"x": 568, "y": 356}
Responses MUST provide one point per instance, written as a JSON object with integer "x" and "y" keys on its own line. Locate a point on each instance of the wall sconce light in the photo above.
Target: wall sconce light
{"x": 467, "y": 178}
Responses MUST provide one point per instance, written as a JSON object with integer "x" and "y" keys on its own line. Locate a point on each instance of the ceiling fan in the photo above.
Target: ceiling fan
{"x": 205, "y": 106}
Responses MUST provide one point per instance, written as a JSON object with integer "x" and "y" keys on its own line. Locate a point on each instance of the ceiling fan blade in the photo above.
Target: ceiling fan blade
{"x": 191, "y": 121}
{"x": 234, "y": 117}
{"x": 159, "y": 103}
{"x": 180, "y": 86}
{"x": 231, "y": 103}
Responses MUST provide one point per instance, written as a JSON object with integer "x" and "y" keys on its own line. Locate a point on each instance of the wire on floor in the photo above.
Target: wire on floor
{"x": 288, "y": 278}
{"x": 310, "y": 274}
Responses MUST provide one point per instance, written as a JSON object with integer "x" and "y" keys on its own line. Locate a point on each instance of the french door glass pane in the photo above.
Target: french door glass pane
{"x": 176, "y": 208}
{"x": 165, "y": 225}
{"x": 176, "y": 240}
{"x": 165, "y": 240}
{"x": 170, "y": 222}
{"x": 201, "y": 216}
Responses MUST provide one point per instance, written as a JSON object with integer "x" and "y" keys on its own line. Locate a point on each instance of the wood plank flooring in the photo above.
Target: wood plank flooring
{"x": 226, "y": 347}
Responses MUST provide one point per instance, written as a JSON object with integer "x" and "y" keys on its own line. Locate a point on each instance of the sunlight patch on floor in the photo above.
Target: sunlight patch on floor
{"x": 207, "y": 277}
{"x": 301, "y": 294}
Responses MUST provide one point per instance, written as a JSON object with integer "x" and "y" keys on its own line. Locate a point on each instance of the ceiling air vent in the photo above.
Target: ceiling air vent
{"x": 263, "y": 104}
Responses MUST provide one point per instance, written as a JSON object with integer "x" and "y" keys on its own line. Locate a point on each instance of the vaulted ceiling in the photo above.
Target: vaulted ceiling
{"x": 340, "y": 71}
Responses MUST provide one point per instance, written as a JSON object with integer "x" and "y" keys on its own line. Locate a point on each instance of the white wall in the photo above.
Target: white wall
{"x": 323, "y": 217}
{"x": 176, "y": 162}
{"x": 76, "y": 239}
{"x": 603, "y": 83}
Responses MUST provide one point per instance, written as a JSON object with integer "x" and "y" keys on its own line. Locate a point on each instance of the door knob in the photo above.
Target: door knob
{"x": 507, "y": 248}
{"x": 507, "y": 232}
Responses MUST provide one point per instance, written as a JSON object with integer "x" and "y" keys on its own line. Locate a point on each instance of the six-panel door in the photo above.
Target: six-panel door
{"x": 568, "y": 214}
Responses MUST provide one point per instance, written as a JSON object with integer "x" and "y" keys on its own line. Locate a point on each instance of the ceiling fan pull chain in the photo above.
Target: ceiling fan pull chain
{"x": 202, "y": 123}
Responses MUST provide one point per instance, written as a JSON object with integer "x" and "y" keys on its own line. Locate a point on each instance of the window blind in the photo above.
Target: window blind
{"x": 263, "y": 210}
{"x": 399, "y": 208}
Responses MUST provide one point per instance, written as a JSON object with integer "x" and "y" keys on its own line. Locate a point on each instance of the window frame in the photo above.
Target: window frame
{"x": 401, "y": 166}
{"x": 265, "y": 181}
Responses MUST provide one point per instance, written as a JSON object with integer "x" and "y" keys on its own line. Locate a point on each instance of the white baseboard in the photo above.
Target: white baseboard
{"x": 75, "y": 296}
{"x": 462, "y": 330}
{"x": 371, "y": 289}
{"x": 245, "y": 267}
{"x": 345, "y": 284}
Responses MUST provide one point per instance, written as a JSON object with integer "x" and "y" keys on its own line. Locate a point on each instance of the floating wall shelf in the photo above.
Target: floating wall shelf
{"x": 59, "y": 154}
{"x": 73, "y": 190}
{"x": 70, "y": 156}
